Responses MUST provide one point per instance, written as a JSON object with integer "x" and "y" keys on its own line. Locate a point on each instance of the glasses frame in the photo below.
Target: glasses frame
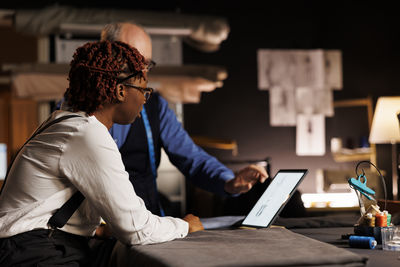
{"x": 146, "y": 91}
{"x": 150, "y": 65}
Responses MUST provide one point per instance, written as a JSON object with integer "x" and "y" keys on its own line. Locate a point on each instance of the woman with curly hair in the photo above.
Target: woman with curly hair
{"x": 72, "y": 154}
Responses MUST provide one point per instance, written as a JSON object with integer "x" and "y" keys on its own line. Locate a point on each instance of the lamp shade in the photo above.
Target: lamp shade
{"x": 385, "y": 124}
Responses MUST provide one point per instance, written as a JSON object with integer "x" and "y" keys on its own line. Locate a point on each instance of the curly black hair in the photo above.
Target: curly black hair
{"x": 96, "y": 69}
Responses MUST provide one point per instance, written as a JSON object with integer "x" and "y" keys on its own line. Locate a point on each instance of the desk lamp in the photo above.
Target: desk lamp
{"x": 385, "y": 130}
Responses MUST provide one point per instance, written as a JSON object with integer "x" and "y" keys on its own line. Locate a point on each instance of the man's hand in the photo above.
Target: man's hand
{"x": 245, "y": 179}
{"x": 194, "y": 223}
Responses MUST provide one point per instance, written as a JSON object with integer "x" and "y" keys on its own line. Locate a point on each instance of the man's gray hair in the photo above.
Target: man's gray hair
{"x": 111, "y": 32}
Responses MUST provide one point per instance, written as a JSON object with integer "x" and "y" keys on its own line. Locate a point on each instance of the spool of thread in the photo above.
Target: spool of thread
{"x": 381, "y": 219}
{"x": 388, "y": 217}
{"x": 356, "y": 241}
{"x": 374, "y": 209}
{"x": 369, "y": 220}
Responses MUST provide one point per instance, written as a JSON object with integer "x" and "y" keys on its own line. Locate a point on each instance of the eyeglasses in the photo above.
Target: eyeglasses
{"x": 149, "y": 65}
{"x": 146, "y": 91}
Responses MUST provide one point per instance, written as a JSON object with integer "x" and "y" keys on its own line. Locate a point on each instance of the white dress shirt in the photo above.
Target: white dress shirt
{"x": 79, "y": 154}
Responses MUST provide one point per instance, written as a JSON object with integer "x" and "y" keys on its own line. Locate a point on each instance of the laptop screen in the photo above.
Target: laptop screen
{"x": 274, "y": 198}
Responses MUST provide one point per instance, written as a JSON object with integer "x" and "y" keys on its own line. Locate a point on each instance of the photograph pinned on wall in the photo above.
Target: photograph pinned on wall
{"x": 282, "y": 107}
{"x": 333, "y": 69}
{"x": 290, "y": 68}
{"x": 274, "y": 70}
{"x": 310, "y": 68}
{"x": 285, "y": 73}
{"x": 310, "y": 135}
{"x": 314, "y": 101}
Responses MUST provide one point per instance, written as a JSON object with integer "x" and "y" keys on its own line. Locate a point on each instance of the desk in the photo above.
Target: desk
{"x": 329, "y": 229}
{"x": 309, "y": 244}
{"x": 376, "y": 257}
{"x": 237, "y": 247}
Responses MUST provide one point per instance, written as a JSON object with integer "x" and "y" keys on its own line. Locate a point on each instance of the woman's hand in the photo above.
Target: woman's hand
{"x": 194, "y": 223}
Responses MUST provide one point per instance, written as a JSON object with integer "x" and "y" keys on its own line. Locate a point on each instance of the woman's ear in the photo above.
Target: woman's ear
{"x": 120, "y": 92}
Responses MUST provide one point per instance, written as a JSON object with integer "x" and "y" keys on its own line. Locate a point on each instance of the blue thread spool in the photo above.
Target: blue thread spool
{"x": 356, "y": 241}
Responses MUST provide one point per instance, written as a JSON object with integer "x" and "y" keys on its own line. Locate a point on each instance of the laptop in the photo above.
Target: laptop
{"x": 268, "y": 206}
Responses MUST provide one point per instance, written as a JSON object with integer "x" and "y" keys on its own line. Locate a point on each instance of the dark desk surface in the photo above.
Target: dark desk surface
{"x": 376, "y": 257}
{"x": 264, "y": 247}
{"x": 275, "y": 246}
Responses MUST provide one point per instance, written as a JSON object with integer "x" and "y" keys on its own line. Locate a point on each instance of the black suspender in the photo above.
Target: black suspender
{"x": 62, "y": 215}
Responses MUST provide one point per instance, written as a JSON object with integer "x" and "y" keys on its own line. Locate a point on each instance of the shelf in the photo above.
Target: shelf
{"x": 178, "y": 84}
{"x": 216, "y": 143}
{"x": 348, "y": 155}
{"x": 329, "y": 209}
{"x": 353, "y": 155}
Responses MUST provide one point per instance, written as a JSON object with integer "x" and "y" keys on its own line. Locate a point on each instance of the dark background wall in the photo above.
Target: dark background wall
{"x": 368, "y": 37}
{"x": 366, "y": 33}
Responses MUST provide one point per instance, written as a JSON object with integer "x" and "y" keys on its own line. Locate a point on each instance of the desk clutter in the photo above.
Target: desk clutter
{"x": 374, "y": 226}
{"x": 362, "y": 242}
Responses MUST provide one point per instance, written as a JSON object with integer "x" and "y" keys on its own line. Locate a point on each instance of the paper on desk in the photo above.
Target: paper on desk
{"x": 220, "y": 222}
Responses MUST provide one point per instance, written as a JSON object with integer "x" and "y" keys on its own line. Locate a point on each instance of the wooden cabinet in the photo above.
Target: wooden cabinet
{"x": 18, "y": 120}
{"x": 18, "y": 117}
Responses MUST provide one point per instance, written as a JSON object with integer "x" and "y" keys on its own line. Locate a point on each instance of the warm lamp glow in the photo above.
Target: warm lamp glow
{"x": 386, "y": 130}
{"x": 385, "y": 125}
